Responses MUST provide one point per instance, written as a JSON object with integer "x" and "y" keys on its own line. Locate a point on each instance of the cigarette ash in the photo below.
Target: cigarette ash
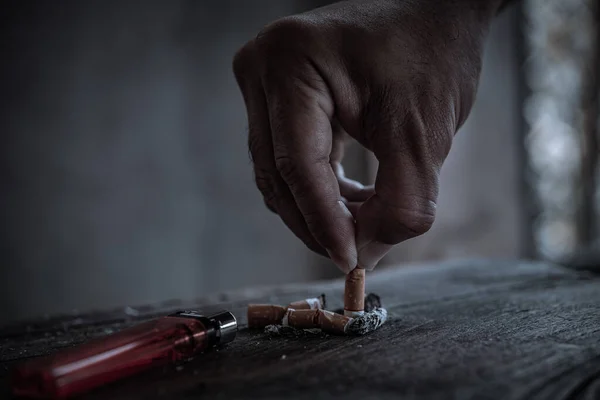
{"x": 291, "y": 332}
{"x": 375, "y": 316}
{"x": 366, "y": 323}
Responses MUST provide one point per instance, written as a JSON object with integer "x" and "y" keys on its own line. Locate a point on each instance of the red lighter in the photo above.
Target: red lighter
{"x": 162, "y": 341}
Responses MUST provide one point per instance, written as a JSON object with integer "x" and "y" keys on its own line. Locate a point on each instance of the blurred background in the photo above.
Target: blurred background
{"x": 126, "y": 178}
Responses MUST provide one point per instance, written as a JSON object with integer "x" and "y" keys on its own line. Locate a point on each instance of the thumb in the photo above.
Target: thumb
{"x": 404, "y": 203}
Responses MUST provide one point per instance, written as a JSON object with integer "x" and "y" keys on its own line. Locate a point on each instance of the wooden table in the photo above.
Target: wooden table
{"x": 460, "y": 330}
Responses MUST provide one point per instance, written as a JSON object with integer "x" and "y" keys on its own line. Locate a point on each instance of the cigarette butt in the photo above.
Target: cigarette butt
{"x": 285, "y": 320}
{"x": 331, "y": 322}
{"x": 316, "y": 303}
{"x": 303, "y": 319}
{"x": 261, "y": 315}
{"x": 353, "y": 314}
{"x": 354, "y": 292}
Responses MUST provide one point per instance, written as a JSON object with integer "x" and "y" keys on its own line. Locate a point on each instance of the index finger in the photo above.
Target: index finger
{"x": 300, "y": 116}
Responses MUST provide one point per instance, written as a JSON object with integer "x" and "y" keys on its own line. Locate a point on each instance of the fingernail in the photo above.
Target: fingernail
{"x": 344, "y": 265}
{"x": 370, "y": 254}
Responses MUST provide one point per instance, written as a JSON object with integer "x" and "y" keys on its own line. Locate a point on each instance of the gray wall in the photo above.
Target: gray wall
{"x": 126, "y": 176}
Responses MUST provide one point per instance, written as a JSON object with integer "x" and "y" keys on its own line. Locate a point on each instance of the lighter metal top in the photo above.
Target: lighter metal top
{"x": 227, "y": 324}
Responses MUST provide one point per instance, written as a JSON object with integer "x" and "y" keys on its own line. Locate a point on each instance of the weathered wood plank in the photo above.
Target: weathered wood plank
{"x": 472, "y": 329}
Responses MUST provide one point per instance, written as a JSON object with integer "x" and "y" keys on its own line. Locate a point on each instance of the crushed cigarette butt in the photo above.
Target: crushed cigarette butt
{"x": 312, "y": 319}
{"x": 366, "y": 323}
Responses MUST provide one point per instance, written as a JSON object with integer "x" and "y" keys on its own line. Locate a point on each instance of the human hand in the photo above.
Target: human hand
{"x": 400, "y": 77}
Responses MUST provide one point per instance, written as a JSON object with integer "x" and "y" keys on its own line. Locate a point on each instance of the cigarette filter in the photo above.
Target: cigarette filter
{"x": 331, "y": 322}
{"x": 316, "y": 303}
{"x": 354, "y": 293}
{"x": 261, "y": 315}
{"x": 303, "y": 319}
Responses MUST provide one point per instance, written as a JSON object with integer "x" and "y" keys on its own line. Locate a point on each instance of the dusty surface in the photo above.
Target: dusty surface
{"x": 479, "y": 330}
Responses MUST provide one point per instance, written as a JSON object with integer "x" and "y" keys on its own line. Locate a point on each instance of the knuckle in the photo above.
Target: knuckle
{"x": 268, "y": 189}
{"x": 318, "y": 228}
{"x": 295, "y": 172}
{"x": 242, "y": 60}
{"x": 465, "y": 101}
{"x": 288, "y": 168}
{"x": 256, "y": 146}
{"x": 270, "y": 206}
{"x": 314, "y": 221}
{"x": 290, "y": 50}
{"x": 406, "y": 222}
{"x": 278, "y": 35}
{"x": 439, "y": 143}
{"x": 416, "y": 223}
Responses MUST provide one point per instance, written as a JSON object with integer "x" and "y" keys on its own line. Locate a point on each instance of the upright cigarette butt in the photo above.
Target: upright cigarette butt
{"x": 316, "y": 303}
{"x": 331, "y": 322}
{"x": 354, "y": 292}
{"x": 261, "y": 315}
{"x": 303, "y": 319}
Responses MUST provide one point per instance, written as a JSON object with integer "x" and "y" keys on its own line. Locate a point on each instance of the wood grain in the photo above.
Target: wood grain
{"x": 461, "y": 330}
